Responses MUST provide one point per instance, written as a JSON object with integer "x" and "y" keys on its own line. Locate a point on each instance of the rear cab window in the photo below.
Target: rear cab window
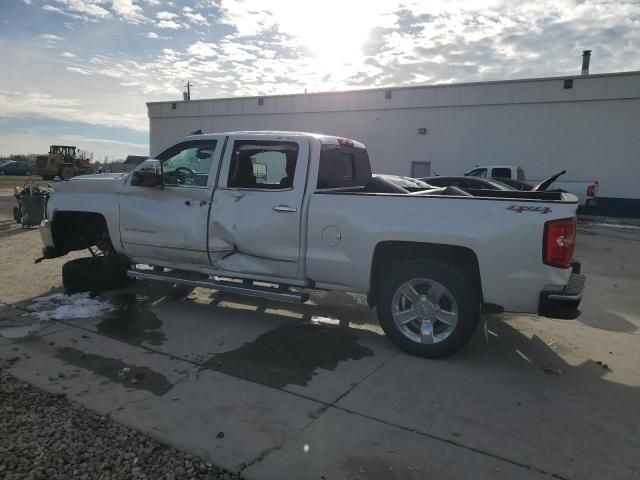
{"x": 501, "y": 172}
{"x": 343, "y": 167}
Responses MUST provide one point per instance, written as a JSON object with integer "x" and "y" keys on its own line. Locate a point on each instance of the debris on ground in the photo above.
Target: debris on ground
{"x": 45, "y": 436}
{"x": 551, "y": 371}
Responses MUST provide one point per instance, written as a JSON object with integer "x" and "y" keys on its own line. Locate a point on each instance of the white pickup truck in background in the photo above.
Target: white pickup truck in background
{"x": 272, "y": 214}
{"x": 586, "y": 191}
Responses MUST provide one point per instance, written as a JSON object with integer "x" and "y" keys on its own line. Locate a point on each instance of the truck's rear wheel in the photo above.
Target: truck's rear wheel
{"x": 428, "y": 308}
{"x": 66, "y": 173}
{"x": 93, "y": 274}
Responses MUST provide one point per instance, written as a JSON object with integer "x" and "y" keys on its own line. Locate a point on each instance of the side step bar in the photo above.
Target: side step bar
{"x": 250, "y": 290}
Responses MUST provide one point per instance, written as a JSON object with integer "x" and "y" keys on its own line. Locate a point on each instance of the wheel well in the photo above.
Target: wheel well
{"x": 80, "y": 230}
{"x": 388, "y": 254}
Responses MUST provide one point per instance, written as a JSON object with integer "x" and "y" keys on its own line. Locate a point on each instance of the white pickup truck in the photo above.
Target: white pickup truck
{"x": 272, "y": 214}
{"x": 585, "y": 190}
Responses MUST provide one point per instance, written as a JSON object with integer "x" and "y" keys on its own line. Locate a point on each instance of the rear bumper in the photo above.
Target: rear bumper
{"x": 570, "y": 295}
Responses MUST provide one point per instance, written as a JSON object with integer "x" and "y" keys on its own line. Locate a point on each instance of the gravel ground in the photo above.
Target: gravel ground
{"x": 44, "y": 436}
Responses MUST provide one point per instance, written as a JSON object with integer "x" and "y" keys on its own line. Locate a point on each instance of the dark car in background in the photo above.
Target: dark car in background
{"x": 517, "y": 184}
{"x": 408, "y": 183}
{"x": 13, "y": 167}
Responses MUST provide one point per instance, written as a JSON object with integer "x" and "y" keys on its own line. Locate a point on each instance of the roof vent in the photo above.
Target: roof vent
{"x": 586, "y": 58}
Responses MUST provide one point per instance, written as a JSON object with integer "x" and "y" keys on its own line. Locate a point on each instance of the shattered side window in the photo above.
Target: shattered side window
{"x": 263, "y": 164}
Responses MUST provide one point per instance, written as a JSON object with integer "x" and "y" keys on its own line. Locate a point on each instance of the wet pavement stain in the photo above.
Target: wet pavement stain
{"x": 290, "y": 354}
{"x": 132, "y": 376}
{"x": 132, "y": 321}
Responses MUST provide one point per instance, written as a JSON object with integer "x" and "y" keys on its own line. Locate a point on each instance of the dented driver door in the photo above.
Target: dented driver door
{"x": 254, "y": 226}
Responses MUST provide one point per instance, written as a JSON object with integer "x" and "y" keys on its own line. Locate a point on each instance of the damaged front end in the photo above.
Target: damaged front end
{"x": 49, "y": 249}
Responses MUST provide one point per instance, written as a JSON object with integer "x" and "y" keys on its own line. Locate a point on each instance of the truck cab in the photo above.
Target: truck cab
{"x": 497, "y": 171}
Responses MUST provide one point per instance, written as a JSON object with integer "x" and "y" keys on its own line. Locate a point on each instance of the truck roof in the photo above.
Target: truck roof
{"x": 325, "y": 139}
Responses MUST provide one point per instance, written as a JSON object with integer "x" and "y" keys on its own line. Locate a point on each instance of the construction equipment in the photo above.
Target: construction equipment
{"x": 62, "y": 161}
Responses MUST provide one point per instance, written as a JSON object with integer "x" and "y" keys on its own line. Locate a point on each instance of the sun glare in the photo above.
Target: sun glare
{"x": 333, "y": 32}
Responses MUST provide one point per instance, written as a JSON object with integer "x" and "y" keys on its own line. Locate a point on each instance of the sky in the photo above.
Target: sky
{"x": 80, "y": 72}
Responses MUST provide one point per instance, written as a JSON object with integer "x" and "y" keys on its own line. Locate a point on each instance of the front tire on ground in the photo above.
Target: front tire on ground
{"x": 428, "y": 308}
{"x": 94, "y": 274}
{"x": 66, "y": 173}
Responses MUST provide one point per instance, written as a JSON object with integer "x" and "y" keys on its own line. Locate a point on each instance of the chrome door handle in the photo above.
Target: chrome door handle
{"x": 284, "y": 208}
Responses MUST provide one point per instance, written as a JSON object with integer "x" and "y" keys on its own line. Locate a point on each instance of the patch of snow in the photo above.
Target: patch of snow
{"x": 61, "y": 307}
{"x": 17, "y": 332}
{"x": 325, "y": 320}
{"x": 142, "y": 266}
{"x": 359, "y": 298}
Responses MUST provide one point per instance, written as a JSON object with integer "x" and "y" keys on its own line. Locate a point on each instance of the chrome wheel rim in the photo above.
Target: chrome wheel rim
{"x": 424, "y": 311}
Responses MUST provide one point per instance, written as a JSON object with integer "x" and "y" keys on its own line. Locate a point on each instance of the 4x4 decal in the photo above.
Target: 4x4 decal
{"x": 528, "y": 208}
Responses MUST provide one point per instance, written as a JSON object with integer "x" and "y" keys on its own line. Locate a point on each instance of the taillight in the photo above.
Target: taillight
{"x": 559, "y": 242}
{"x": 591, "y": 190}
{"x": 346, "y": 142}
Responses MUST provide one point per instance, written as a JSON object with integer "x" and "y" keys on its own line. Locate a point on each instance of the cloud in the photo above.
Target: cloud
{"x": 202, "y": 49}
{"x": 52, "y": 9}
{"x": 84, "y": 7}
{"x": 169, "y": 24}
{"x": 50, "y": 37}
{"x": 67, "y": 55}
{"x": 80, "y": 70}
{"x": 127, "y": 10}
{"x": 166, "y": 16}
{"x": 38, "y": 104}
{"x": 196, "y": 18}
{"x": 152, "y": 35}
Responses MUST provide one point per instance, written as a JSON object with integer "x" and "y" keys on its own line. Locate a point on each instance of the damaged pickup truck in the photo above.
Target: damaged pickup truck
{"x": 272, "y": 214}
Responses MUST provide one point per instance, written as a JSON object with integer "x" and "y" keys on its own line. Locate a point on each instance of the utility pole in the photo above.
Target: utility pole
{"x": 188, "y": 85}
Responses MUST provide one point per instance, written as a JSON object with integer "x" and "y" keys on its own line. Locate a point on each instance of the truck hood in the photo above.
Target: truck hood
{"x": 102, "y": 182}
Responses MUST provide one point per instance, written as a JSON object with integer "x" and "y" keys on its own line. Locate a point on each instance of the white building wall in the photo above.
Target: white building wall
{"x": 592, "y": 130}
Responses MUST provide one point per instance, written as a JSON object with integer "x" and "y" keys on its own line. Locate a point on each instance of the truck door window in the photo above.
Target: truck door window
{"x": 501, "y": 173}
{"x": 259, "y": 164}
{"x": 188, "y": 163}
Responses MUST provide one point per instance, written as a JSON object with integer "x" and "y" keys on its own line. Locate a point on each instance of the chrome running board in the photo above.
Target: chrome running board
{"x": 249, "y": 289}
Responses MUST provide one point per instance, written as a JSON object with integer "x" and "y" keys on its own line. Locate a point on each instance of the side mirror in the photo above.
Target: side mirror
{"x": 148, "y": 174}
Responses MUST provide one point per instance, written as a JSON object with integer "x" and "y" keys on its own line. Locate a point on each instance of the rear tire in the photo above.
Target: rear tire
{"x": 443, "y": 314}
{"x": 94, "y": 274}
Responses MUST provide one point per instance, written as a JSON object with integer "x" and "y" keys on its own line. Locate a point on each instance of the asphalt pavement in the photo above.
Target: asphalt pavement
{"x": 315, "y": 391}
